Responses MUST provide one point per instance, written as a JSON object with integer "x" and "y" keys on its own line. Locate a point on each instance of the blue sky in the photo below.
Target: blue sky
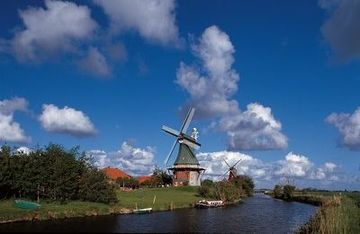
{"x": 117, "y": 67}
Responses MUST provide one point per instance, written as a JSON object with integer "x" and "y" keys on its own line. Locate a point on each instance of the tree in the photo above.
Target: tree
{"x": 52, "y": 173}
{"x": 288, "y": 191}
{"x": 277, "y": 191}
{"x": 92, "y": 187}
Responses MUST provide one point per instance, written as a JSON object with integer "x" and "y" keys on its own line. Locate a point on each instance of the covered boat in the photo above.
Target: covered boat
{"x": 23, "y": 204}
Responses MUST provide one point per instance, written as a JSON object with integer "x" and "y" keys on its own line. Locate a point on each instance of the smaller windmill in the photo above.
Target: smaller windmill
{"x": 232, "y": 170}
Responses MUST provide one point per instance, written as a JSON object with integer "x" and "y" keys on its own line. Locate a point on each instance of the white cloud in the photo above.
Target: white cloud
{"x": 54, "y": 29}
{"x": 255, "y": 128}
{"x": 294, "y": 165}
{"x": 341, "y": 30}
{"x": 134, "y": 161}
{"x": 9, "y": 129}
{"x": 210, "y": 91}
{"x": 66, "y": 120}
{"x": 95, "y": 63}
{"x": 329, "y": 166}
{"x": 215, "y": 165}
{"x": 348, "y": 126}
{"x": 211, "y": 88}
{"x": 325, "y": 172}
{"x": 24, "y": 150}
{"x": 152, "y": 19}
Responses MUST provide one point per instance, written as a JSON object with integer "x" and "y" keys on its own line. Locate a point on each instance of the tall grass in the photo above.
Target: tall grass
{"x": 337, "y": 214}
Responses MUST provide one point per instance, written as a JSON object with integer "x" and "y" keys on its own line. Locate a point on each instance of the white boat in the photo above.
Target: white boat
{"x": 142, "y": 211}
{"x": 209, "y": 204}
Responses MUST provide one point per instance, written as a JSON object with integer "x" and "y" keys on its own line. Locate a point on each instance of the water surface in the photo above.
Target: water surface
{"x": 257, "y": 214}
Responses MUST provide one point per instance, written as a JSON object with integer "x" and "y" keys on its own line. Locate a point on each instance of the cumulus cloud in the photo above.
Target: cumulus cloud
{"x": 348, "y": 126}
{"x": 134, "y": 161}
{"x": 54, "y": 29}
{"x": 66, "y": 120}
{"x": 215, "y": 165}
{"x": 9, "y": 129}
{"x": 325, "y": 172}
{"x": 95, "y": 63}
{"x": 210, "y": 91}
{"x": 255, "y": 128}
{"x": 341, "y": 30}
{"x": 152, "y": 19}
{"x": 211, "y": 88}
{"x": 294, "y": 165}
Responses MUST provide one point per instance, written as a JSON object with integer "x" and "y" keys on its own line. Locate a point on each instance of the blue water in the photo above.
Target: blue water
{"x": 257, "y": 214}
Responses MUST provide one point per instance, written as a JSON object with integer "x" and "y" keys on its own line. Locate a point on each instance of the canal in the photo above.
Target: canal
{"x": 257, "y": 214}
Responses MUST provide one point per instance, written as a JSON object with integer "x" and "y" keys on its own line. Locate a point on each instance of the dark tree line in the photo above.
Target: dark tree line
{"x": 54, "y": 174}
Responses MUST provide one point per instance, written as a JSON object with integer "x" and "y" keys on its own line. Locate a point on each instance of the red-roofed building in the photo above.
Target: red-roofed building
{"x": 142, "y": 179}
{"x": 114, "y": 173}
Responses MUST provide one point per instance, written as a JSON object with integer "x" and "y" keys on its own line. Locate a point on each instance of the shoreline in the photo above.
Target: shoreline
{"x": 36, "y": 215}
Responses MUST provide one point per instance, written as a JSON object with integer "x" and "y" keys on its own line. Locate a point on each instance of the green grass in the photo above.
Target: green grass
{"x": 175, "y": 197}
{"x": 337, "y": 214}
{"x": 166, "y": 198}
{"x": 8, "y": 210}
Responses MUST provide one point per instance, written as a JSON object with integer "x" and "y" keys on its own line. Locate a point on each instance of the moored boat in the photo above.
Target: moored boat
{"x": 142, "y": 211}
{"x": 209, "y": 204}
{"x": 27, "y": 204}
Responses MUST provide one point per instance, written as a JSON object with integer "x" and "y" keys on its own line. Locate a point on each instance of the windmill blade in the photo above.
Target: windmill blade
{"x": 238, "y": 162}
{"x": 192, "y": 144}
{"x": 189, "y": 138}
{"x": 170, "y": 131}
{"x": 227, "y": 163}
{"x": 172, "y": 149}
{"x": 187, "y": 120}
{"x": 225, "y": 173}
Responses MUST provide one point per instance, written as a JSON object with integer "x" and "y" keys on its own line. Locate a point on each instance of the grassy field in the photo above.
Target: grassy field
{"x": 166, "y": 198}
{"x": 9, "y": 212}
{"x": 338, "y": 213}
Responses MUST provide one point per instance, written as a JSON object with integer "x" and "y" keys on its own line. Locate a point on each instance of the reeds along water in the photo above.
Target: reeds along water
{"x": 337, "y": 214}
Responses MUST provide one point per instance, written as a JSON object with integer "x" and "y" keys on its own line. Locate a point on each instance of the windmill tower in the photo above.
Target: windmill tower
{"x": 186, "y": 169}
{"x": 232, "y": 170}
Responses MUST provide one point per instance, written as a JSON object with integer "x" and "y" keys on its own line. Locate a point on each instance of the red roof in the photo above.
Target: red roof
{"x": 114, "y": 173}
{"x": 142, "y": 179}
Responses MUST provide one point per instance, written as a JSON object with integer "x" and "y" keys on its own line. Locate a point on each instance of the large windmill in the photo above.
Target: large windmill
{"x": 186, "y": 169}
{"x": 232, "y": 170}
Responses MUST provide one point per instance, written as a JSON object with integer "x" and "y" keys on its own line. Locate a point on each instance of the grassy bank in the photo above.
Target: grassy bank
{"x": 10, "y": 213}
{"x": 166, "y": 198}
{"x": 338, "y": 212}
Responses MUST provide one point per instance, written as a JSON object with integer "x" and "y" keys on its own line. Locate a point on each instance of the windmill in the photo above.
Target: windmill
{"x": 186, "y": 169}
{"x": 181, "y": 136}
{"x": 232, "y": 169}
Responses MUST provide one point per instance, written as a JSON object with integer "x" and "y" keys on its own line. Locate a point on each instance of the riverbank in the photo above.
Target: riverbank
{"x": 337, "y": 213}
{"x": 166, "y": 199}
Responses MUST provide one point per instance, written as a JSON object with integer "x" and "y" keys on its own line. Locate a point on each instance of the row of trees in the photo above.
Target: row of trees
{"x": 52, "y": 173}
{"x": 228, "y": 190}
